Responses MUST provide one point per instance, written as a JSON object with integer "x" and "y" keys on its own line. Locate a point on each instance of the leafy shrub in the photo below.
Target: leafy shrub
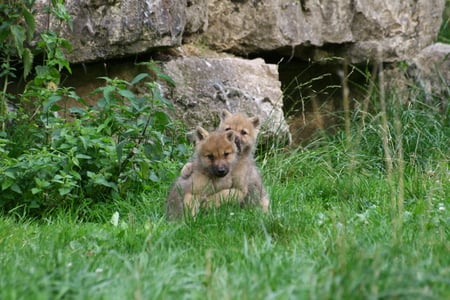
{"x": 110, "y": 151}
{"x": 113, "y": 150}
{"x": 16, "y": 31}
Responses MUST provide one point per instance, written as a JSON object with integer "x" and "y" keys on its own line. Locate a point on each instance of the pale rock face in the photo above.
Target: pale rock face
{"x": 359, "y": 29}
{"x": 205, "y": 86}
{"x": 196, "y": 16}
{"x": 431, "y": 69}
{"x": 112, "y": 28}
{"x": 426, "y": 74}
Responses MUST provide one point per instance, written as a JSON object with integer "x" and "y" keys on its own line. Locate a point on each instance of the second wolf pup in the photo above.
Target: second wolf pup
{"x": 246, "y": 174}
{"x": 214, "y": 159}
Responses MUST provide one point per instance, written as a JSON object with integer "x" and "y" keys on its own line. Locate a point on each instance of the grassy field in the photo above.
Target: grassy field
{"x": 362, "y": 214}
{"x": 350, "y": 219}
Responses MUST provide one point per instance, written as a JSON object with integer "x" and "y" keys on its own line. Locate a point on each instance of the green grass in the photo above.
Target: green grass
{"x": 341, "y": 227}
{"x": 344, "y": 224}
{"x": 444, "y": 32}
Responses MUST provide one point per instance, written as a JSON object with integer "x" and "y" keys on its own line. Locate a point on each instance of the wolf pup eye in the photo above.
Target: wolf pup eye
{"x": 225, "y": 154}
{"x": 228, "y": 129}
{"x": 210, "y": 156}
{"x": 243, "y": 132}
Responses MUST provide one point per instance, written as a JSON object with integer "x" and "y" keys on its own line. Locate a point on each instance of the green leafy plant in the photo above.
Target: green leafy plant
{"x": 110, "y": 151}
{"x": 16, "y": 32}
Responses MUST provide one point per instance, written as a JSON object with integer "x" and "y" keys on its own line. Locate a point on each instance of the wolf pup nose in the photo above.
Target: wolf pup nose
{"x": 220, "y": 171}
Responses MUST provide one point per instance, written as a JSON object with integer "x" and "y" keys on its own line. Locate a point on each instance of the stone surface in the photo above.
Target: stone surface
{"x": 207, "y": 85}
{"x": 313, "y": 29}
{"x": 309, "y": 29}
{"x": 425, "y": 76}
{"x": 196, "y": 17}
{"x": 431, "y": 70}
{"x": 104, "y": 29}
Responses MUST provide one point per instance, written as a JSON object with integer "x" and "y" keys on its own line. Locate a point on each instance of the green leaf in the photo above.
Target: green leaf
{"x": 49, "y": 105}
{"x": 161, "y": 120}
{"x": 84, "y": 142}
{"x": 144, "y": 169}
{"x": 153, "y": 177}
{"x": 6, "y": 183}
{"x": 58, "y": 178}
{"x": 45, "y": 74}
{"x": 66, "y": 45}
{"x": 167, "y": 79}
{"x": 83, "y": 156}
{"x": 35, "y": 191}
{"x": 29, "y": 20}
{"x": 105, "y": 78}
{"x": 75, "y": 161}
{"x": 139, "y": 77}
{"x": 119, "y": 149}
{"x": 10, "y": 174}
{"x": 64, "y": 190}
{"x": 16, "y": 188}
{"x": 127, "y": 94}
{"x": 27, "y": 62}
{"x": 18, "y": 34}
{"x": 42, "y": 183}
{"x": 77, "y": 110}
{"x": 102, "y": 181}
{"x": 42, "y": 71}
{"x": 107, "y": 90}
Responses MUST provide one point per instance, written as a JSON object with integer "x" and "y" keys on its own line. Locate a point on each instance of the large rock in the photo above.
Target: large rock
{"x": 426, "y": 76}
{"x": 431, "y": 70}
{"x": 204, "y": 86}
{"x": 309, "y": 29}
{"x": 112, "y": 28}
{"x": 354, "y": 28}
{"x": 196, "y": 16}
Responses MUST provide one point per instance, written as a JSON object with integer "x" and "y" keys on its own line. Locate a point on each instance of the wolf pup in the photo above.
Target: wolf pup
{"x": 246, "y": 177}
{"x": 214, "y": 159}
{"x": 246, "y": 173}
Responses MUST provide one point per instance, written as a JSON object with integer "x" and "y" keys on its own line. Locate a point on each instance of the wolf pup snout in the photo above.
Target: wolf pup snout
{"x": 220, "y": 171}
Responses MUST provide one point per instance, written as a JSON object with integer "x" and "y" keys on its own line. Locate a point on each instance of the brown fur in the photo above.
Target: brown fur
{"x": 214, "y": 159}
{"x": 246, "y": 178}
{"x": 245, "y": 128}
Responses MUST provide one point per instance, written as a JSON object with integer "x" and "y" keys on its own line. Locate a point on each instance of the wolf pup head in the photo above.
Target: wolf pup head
{"x": 216, "y": 150}
{"x": 245, "y": 128}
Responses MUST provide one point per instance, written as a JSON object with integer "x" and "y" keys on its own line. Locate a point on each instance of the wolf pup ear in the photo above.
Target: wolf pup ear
{"x": 201, "y": 133}
{"x": 225, "y": 114}
{"x": 255, "y": 121}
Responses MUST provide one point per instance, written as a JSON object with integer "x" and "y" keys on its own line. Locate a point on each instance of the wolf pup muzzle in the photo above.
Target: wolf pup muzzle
{"x": 219, "y": 171}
